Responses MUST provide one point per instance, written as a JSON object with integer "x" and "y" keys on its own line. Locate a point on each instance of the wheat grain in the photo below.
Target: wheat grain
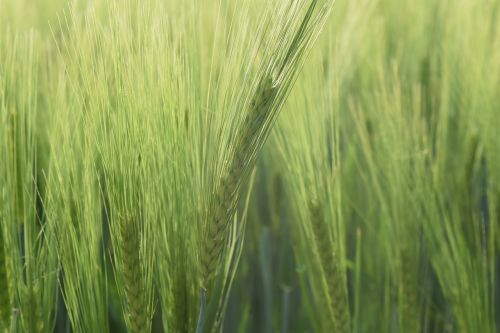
{"x": 332, "y": 268}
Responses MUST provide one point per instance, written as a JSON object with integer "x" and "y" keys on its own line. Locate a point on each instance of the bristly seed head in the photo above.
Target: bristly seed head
{"x": 332, "y": 268}
{"x": 225, "y": 197}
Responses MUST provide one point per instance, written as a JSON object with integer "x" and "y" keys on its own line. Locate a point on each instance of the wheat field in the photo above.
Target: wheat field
{"x": 249, "y": 166}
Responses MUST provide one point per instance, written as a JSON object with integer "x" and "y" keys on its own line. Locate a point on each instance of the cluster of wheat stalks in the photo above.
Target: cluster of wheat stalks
{"x": 249, "y": 166}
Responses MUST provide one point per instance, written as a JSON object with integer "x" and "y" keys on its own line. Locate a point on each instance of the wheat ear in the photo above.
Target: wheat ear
{"x": 408, "y": 287}
{"x": 5, "y": 306}
{"x": 31, "y": 308}
{"x": 225, "y": 197}
{"x": 331, "y": 265}
{"x": 133, "y": 279}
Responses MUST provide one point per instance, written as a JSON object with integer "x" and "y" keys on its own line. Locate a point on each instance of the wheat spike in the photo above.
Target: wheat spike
{"x": 225, "y": 198}
{"x": 336, "y": 283}
{"x": 408, "y": 290}
{"x": 31, "y": 309}
{"x": 133, "y": 279}
{"x": 5, "y": 306}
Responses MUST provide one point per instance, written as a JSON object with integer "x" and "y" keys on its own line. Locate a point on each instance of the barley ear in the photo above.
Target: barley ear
{"x": 133, "y": 279}
{"x": 5, "y": 304}
{"x": 332, "y": 268}
{"x": 408, "y": 287}
{"x": 31, "y": 308}
{"x": 224, "y": 200}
